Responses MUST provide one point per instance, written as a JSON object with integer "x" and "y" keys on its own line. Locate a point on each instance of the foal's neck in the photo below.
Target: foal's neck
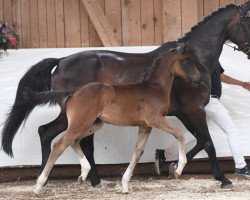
{"x": 162, "y": 71}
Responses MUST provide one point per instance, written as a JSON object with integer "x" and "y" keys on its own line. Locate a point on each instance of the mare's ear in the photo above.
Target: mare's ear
{"x": 181, "y": 47}
{"x": 245, "y": 12}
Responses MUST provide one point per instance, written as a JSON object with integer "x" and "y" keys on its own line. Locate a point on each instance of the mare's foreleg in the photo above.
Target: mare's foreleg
{"x": 143, "y": 135}
{"x": 204, "y": 141}
{"x": 198, "y": 147}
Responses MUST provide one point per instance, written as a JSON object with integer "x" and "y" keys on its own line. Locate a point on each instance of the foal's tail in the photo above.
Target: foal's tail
{"x": 51, "y": 97}
{"x": 37, "y": 78}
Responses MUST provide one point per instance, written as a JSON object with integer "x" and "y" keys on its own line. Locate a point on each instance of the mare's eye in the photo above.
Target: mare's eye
{"x": 247, "y": 13}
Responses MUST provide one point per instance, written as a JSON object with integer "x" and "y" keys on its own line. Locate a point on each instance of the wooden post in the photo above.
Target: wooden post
{"x": 100, "y": 23}
{"x": 171, "y": 11}
{"x": 189, "y": 18}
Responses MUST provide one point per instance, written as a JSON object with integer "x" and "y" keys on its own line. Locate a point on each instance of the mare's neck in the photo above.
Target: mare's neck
{"x": 208, "y": 38}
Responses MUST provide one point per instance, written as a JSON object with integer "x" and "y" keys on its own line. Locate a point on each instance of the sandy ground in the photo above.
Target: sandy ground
{"x": 189, "y": 187}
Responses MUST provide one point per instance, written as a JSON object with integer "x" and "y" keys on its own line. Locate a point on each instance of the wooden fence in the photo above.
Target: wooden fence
{"x": 74, "y": 23}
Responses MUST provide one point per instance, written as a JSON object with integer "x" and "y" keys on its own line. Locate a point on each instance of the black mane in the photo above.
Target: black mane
{"x": 206, "y": 19}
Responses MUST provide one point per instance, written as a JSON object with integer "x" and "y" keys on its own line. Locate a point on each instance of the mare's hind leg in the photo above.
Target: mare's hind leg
{"x": 58, "y": 148}
{"x": 48, "y": 132}
{"x": 162, "y": 124}
{"x": 140, "y": 145}
{"x": 204, "y": 141}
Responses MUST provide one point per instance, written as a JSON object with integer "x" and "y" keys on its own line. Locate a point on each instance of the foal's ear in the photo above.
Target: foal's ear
{"x": 181, "y": 47}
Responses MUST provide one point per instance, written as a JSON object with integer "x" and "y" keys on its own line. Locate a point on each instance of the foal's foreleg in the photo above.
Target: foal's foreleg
{"x": 140, "y": 145}
{"x": 164, "y": 125}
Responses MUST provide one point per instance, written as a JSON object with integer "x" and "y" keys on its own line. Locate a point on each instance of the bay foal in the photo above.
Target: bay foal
{"x": 142, "y": 104}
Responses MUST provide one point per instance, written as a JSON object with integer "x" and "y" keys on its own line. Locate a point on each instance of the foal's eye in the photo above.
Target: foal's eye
{"x": 186, "y": 61}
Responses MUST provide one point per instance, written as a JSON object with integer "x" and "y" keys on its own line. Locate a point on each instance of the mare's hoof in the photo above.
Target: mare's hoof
{"x": 227, "y": 185}
{"x": 80, "y": 181}
{"x": 108, "y": 184}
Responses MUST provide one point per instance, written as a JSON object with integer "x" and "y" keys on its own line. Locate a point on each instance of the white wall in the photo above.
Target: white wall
{"x": 115, "y": 144}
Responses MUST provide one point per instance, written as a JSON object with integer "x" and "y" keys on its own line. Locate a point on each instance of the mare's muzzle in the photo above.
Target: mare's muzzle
{"x": 247, "y": 51}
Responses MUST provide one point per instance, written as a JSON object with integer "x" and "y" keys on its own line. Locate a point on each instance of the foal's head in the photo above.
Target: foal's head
{"x": 185, "y": 64}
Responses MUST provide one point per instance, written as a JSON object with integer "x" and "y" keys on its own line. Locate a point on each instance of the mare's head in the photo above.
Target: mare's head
{"x": 239, "y": 28}
{"x": 185, "y": 65}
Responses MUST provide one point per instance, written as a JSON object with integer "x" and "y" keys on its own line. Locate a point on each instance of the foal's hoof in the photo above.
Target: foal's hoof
{"x": 125, "y": 192}
{"x": 176, "y": 175}
{"x": 35, "y": 194}
{"x": 171, "y": 169}
{"x": 226, "y": 184}
{"x": 80, "y": 180}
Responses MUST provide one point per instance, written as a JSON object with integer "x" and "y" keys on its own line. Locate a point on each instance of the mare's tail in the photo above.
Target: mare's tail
{"x": 38, "y": 79}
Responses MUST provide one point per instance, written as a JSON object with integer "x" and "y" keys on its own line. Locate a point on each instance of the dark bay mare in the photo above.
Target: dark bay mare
{"x": 206, "y": 40}
{"x": 143, "y": 104}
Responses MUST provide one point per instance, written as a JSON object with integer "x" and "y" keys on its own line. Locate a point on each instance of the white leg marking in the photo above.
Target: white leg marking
{"x": 85, "y": 167}
{"x": 40, "y": 183}
{"x": 182, "y": 157}
{"x": 140, "y": 145}
{"x": 125, "y": 180}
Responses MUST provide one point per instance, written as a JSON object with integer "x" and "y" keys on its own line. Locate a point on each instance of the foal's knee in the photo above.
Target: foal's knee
{"x": 138, "y": 154}
{"x": 59, "y": 146}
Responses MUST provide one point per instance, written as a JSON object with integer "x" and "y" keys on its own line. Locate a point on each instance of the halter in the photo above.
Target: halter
{"x": 246, "y": 47}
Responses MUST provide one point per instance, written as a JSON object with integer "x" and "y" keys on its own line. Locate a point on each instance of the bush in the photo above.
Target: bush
{"x": 8, "y": 37}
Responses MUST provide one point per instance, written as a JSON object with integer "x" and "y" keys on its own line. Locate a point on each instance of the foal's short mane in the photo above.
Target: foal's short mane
{"x": 149, "y": 70}
{"x": 207, "y": 18}
{"x": 169, "y": 46}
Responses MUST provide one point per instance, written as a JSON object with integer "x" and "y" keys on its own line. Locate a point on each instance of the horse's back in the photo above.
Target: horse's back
{"x": 99, "y": 66}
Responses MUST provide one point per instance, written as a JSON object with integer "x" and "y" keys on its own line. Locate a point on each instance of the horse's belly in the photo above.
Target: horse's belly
{"x": 117, "y": 115}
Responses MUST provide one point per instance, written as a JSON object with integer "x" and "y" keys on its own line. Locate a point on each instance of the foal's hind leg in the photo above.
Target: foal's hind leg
{"x": 58, "y": 148}
{"x": 49, "y": 131}
{"x": 140, "y": 145}
{"x": 87, "y": 147}
{"x": 85, "y": 166}
{"x": 162, "y": 124}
